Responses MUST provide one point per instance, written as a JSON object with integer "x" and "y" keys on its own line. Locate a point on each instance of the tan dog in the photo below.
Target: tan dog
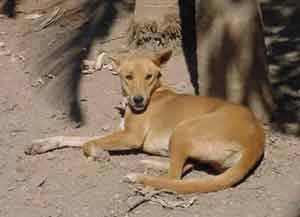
{"x": 162, "y": 122}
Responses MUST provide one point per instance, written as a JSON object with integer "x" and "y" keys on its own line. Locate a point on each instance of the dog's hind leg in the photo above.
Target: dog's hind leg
{"x": 178, "y": 155}
{"x": 176, "y": 166}
{"x": 162, "y": 165}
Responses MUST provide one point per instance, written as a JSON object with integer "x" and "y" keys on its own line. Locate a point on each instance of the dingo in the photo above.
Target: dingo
{"x": 162, "y": 122}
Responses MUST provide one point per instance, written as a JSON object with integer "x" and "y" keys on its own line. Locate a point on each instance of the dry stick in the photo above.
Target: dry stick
{"x": 174, "y": 204}
{"x": 145, "y": 199}
{"x": 164, "y": 203}
{"x": 55, "y": 16}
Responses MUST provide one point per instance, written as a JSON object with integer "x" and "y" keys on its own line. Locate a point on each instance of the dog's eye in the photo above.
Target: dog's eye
{"x": 158, "y": 75}
{"x": 129, "y": 77}
{"x": 149, "y": 76}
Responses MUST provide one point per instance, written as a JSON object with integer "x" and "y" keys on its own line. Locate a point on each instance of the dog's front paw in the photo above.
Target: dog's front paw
{"x": 91, "y": 150}
{"x": 40, "y": 146}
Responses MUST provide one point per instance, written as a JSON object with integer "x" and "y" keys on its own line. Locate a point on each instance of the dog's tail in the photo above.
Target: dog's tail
{"x": 230, "y": 177}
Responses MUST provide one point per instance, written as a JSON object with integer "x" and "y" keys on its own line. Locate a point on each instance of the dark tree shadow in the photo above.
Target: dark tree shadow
{"x": 187, "y": 12}
{"x": 8, "y": 8}
{"x": 283, "y": 28}
{"x": 65, "y": 62}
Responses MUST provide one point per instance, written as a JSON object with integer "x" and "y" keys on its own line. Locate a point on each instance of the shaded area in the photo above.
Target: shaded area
{"x": 283, "y": 36}
{"x": 187, "y": 12}
{"x": 282, "y": 29}
{"x": 8, "y": 7}
{"x": 66, "y": 60}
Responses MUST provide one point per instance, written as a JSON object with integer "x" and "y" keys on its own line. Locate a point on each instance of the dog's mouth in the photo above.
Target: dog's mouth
{"x": 138, "y": 107}
{"x": 138, "y": 103}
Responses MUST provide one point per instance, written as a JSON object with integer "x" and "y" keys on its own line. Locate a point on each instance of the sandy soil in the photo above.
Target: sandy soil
{"x": 64, "y": 184}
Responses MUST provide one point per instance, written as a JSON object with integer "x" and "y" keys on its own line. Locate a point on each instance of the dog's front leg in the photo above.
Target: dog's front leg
{"x": 122, "y": 140}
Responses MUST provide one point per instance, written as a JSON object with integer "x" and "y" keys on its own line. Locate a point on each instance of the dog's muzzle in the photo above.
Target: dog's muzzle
{"x": 138, "y": 102}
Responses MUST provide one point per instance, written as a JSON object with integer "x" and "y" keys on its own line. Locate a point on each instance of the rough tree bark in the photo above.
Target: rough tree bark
{"x": 232, "y": 55}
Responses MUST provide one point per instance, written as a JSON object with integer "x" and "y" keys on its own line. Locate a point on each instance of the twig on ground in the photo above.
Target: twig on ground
{"x": 42, "y": 182}
{"x": 173, "y": 204}
{"x": 54, "y": 17}
{"x": 146, "y": 198}
{"x": 153, "y": 196}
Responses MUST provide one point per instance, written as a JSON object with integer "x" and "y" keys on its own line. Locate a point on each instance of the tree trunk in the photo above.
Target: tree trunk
{"x": 232, "y": 56}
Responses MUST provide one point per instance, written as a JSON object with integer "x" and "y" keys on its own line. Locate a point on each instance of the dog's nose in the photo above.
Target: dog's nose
{"x": 138, "y": 99}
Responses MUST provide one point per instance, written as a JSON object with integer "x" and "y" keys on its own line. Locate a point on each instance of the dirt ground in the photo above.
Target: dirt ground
{"x": 64, "y": 184}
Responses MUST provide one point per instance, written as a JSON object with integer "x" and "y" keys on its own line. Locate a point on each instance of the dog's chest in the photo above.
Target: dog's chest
{"x": 157, "y": 142}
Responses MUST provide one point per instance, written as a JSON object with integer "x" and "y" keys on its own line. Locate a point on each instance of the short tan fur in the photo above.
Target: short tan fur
{"x": 162, "y": 122}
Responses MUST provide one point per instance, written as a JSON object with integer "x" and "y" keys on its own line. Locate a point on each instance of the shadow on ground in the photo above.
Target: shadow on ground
{"x": 283, "y": 38}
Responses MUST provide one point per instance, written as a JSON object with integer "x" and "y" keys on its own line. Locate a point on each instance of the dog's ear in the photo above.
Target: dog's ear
{"x": 116, "y": 61}
{"x": 116, "y": 64}
{"x": 162, "y": 57}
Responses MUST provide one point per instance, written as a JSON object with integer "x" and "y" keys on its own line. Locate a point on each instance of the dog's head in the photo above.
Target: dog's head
{"x": 140, "y": 76}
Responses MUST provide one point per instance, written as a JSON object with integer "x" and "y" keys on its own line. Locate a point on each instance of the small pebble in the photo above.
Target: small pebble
{"x": 108, "y": 66}
{"x": 89, "y": 63}
{"x": 5, "y": 53}
{"x": 99, "y": 62}
{"x": 105, "y": 127}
